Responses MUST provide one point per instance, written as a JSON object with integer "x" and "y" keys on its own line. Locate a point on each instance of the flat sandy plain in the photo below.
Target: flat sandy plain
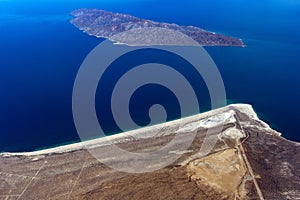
{"x": 249, "y": 161}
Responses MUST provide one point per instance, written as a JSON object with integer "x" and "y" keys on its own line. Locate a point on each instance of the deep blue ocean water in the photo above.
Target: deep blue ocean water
{"x": 41, "y": 53}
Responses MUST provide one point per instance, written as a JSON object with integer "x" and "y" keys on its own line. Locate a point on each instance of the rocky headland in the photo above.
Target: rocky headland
{"x": 249, "y": 161}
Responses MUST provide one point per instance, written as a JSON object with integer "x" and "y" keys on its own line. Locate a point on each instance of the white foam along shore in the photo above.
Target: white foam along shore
{"x": 204, "y": 120}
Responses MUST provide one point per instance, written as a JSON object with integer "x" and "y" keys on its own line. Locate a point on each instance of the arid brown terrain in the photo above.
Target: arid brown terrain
{"x": 249, "y": 161}
{"x": 104, "y": 24}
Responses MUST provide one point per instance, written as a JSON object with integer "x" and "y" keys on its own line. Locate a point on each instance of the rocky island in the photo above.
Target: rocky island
{"x": 249, "y": 161}
{"x": 104, "y": 24}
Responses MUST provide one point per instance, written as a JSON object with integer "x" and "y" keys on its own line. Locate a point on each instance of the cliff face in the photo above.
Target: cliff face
{"x": 249, "y": 161}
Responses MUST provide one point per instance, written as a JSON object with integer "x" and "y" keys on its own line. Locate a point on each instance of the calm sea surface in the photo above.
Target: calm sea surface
{"x": 41, "y": 53}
